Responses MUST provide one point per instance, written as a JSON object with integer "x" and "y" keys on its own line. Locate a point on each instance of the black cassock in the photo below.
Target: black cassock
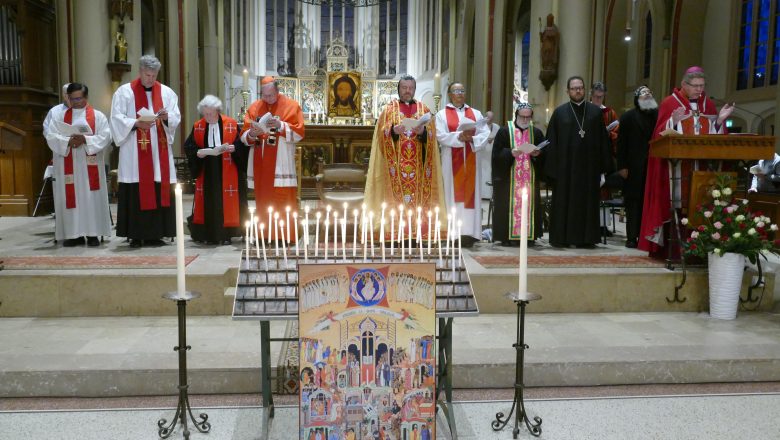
{"x": 573, "y": 167}
{"x": 502, "y": 165}
{"x": 212, "y": 230}
{"x": 636, "y": 128}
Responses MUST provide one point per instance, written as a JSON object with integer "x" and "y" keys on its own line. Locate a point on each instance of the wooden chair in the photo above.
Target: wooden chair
{"x": 341, "y": 182}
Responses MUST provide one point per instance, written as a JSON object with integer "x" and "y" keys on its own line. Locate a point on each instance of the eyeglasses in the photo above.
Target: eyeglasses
{"x": 458, "y": 92}
{"x": 76, "y": 98}
{"x": 525, "y": 117}
{"x": 695, "y": 86}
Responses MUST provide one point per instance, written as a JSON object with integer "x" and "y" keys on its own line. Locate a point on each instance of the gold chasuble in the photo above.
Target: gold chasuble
{"x": 406, "y": 168}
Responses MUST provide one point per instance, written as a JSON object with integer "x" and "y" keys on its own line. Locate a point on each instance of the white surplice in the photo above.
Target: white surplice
{"x": 90, "y": 217}
{"x": 123, "y": 117}
{"x": 449, "y": 145}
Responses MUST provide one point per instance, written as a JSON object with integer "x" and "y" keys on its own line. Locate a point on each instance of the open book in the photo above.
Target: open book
{"x": 216, "y": 151}
{"x": 467, "y": 124}
{"x": 262, "y": 123}
{"x": 528, "y": 148}
{"x": 70, "y": 130}
{"x": 146, "y": 115}
{"x": 411, "y": 124}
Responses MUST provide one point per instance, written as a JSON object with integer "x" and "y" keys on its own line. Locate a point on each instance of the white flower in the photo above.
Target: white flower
{"x": 716, "y": 236}
{"x": 684, "y": 221}
{"x": 773, "y": 227}
{"x": 731, "y": 209}
{"x": 740, "y": 218}
{"x": 760, "y": 224}
{"x": 737, "y": 235}
{"x": 715, "y": 193}
{"x": 716, "y": 202}
{"x": 707, "y": 214}
{"x": 744, "y": 201}
{"x": 695, "y": 234}
{"x": 727, "y": 191}
{"x": 716, "y": 250}
{"x": 717, "y": 225}
{"x": 751, "y": 231}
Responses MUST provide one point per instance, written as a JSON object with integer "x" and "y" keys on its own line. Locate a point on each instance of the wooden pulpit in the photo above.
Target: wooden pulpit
{"x": 714, "y": 146}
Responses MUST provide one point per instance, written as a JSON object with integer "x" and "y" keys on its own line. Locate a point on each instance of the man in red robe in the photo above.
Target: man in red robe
{"x": 272, "y": 126}
{"x": 686, "y": 111}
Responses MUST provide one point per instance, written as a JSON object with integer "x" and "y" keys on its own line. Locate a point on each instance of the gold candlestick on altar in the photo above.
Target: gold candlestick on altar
{"x": 244, "y": 104}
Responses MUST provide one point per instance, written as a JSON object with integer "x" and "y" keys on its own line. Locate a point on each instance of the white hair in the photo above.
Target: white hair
{"x": 209, "y": 101}
{"x": 149, "y": 62}
{"x": 65, "y": 88}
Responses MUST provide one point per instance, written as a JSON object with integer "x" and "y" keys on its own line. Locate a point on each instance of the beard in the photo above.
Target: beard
{"x": 647, "y": 104}
{"x": 522, "y": 126}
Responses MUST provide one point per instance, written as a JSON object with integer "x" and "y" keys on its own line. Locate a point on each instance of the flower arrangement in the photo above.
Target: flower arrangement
{"x": 729, "y": 226}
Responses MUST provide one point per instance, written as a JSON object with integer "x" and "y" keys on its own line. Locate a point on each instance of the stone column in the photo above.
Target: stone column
{"x": 576, "y": 27}
{"x": 537, "y": 95}
{"x": 92, "y": 50}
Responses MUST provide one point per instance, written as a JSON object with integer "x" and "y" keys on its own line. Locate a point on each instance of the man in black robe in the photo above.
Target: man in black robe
{"x": 636, "y": 129}
{"x": 577, "y": 159}
{"x": 503, "y": 165}
{"x": 217, "y": 161}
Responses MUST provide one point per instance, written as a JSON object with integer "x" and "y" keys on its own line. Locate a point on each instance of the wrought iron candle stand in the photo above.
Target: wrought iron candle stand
{"x": 183, "y": 410}
{"x": 535, "y": 427}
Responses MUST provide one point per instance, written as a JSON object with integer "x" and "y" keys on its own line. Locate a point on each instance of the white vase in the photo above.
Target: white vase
{"x": 725, "y": 276}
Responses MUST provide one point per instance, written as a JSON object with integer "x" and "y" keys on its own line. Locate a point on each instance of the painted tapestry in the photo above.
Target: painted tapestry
{"x": 367, "y": 351}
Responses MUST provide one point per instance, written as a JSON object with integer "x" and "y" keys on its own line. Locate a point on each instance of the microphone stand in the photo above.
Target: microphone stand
{"x": 761, "y": 119}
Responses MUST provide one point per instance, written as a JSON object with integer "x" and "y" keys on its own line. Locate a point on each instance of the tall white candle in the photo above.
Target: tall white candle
{"x": 246, "y": 251}
{"x": 270, "y": 222}
{"x": 295, "y": 220}
{"x": 355, "y": 234}
{"x": 419, "y": 238}
{"x": 276, "y": 232}
{"x": 327, "y": 213}
{"x": 401, "y": 235}
{"x": 305, "y": 241}
{"x": 460, "y": 243}
{"x": 257, "y": 237}
{"x": 419, "y": 221}
{"x": 287, "y": 222}
{"x": 438, "y": 239}
{"x": 344, "y": 237}
{"x": 284, "y": 241}
{"x": 245, "y": 75}
{"x": 382, "y": 234}
{"x": 409, "y": 222}
{"x": 365, "y": 241}
{"x": 371, "y": 230}
{"x": 381, "y": 222}
{"x": 262, "y": 243}
{"x": 449, "y": 232}
{"x": 392, "y": 232}
{"x": 335, "y": 234}
{"x": 400, "y": 217}
{"x": 429, "y": 232}
{"x": 344, "y": 222}
{"x": 251, "y": 221}
{"x": 306, "y": 227}
{"x": 523, "y": 279}
{"x": 327, "y": 230}
{"x": 317, "y": 217}
{"x": 363, "y": 224}
{"x": 180, "y": 287}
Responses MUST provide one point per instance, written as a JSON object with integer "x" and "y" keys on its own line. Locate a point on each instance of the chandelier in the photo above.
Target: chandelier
{"x": 353, "y": 3}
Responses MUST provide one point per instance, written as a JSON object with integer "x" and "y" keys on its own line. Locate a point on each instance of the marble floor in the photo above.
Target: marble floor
{"x": 711, "y": 417}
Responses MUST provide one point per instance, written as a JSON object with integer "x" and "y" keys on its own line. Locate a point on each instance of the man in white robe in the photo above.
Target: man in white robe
{"x": 77, "y": 135}
{"x": 146, "y": 172}
{"x": 461, "y": 170}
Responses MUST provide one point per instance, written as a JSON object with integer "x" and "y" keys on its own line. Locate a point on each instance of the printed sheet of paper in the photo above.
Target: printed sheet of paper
{"x": 411, "y": 123}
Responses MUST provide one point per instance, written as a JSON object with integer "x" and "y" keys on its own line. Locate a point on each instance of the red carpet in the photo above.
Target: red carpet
{"x": 50, "y": 262}
{"x": 625, "y": 261}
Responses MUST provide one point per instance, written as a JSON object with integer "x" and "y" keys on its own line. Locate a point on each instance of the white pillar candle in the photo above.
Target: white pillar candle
{"x": 401, "y": 235}
{"x": 449, "y": 231}
{"x": 270, "y": 219}
{"x": 295, "y": 220}
{"x": 400, "y": 217}
{"x": 257, "y": 237}
{"x": 355, "y": 234}
{"x": 287, "y": 222}
{"x": 262, "y": 243}
{"x": 392, "y": 232}
{"x": 419, "y": 220}
{"x": 429, "y": 232}
{"x": 454, "y": 224}
{"x": 438, "y": 239}
{"x": 327, "y": 229}
{"x": 460, "y": 244}
{"x": 436, "y": 212}
{"x": 365, "y": 242}
{"x": 371, "y": 230}
{"x": 382, "y": 222}
{"x": 305, "y": 241}
{"x": 247, "y": 244}
{"x": 284, "y": 240}
{"x": 251, "y": 221}
{"x": 382, "y": 234}
{"x": 363, "y": 224}
{"x": 335, "y": 234}
{"x": 180, "y": 287}
{"x": 317, "y": 217}
{"x": 419, "y": 238}
{"x": 327, "y": 213}
{"x": 344, "y": 221}
{"x": 344, "y": 237}
{"x": 409, "y": 223}
{"x": 276, "y": 232}
{"x": 523, "y": 279}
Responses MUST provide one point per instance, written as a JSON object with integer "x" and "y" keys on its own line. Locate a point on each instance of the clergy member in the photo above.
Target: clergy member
{"x": 577, "y": 159}
{"x": 146, "y": 211}
{"x": 460, "y": 166}
{"x": 61, "y": 107}
{"x": 77, "y": 136}
{"x": 598, "y": 94}
{"x": 514, "y": 170}
{"x": 636, "y": 128}
{"x": 220, "y": 185}
{"x": 404, "y": 167}
{"x": 272, "y": 126}
{"x": 687, "y": 111}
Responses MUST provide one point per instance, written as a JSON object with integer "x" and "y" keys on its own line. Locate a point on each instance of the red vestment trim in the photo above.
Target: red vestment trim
{"x": 93, "y": 173}
{"x": 230, "y": 212}
{"x": 464, "y": 163}
{"x": 146, "y": 188}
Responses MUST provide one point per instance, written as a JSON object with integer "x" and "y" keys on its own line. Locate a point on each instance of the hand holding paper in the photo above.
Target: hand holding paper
{"x": 411, "y": 123}
{"x": 216, "y": 151}
{"x": 262, "y": 123}
{"x": 146, "y": 115}
{"x": 613, "y": 125}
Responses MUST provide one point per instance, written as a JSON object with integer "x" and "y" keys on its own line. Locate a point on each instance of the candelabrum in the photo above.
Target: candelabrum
{"x": 436, "y": 102}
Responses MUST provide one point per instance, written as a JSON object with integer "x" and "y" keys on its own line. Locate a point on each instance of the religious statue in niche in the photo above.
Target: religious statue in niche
{"x": 344, "y": 96}
{"x": 550, "y": 39}
{"x": 120, "y": 48}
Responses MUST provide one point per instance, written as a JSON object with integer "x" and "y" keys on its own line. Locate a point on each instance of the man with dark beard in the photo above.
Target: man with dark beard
{"x": 578, "y": 158}
{"x": 636, "y": 128}
{"x": 514, "y": 170}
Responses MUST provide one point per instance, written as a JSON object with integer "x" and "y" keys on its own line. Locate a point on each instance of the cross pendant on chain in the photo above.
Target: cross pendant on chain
{"x": 582, "y": 133}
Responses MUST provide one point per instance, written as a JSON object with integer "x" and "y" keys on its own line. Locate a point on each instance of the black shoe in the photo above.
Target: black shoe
{"x": 136, "y": 243}
{"x": 155, "y": 242}
{"x": 631, "y": 244}
{"x": 71, "y": 242}
{"x": 586, "y": 246}
{"x": 226, "y": 242}
{"x": 93, "y": 241}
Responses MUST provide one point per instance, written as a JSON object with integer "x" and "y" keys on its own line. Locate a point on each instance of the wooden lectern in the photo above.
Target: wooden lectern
{"x": 675, "y": 148}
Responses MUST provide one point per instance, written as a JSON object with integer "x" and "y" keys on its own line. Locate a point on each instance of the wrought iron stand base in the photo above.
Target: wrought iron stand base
{"x": 535, "y": 427}
{"x": 183, "y": 410}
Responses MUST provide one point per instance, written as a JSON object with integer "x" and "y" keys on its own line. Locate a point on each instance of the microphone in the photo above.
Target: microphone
{"x": 761, "y": 119}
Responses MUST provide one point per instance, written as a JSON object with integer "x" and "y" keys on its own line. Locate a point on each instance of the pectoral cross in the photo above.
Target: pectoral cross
{"x": 582, "y": 133}
{"x": 144, "y": 141}
{"x": 230, "y": 191}
{"x": 200, "y": 128}
{"x": 230, "y": 128}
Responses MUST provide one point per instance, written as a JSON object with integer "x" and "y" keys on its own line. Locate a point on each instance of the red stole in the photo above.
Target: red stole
{"x": 464, "y": 171}
{"x": 229, "y": 174}
{"x": 145, "y": 161}
{"x": 92, "y": 170}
